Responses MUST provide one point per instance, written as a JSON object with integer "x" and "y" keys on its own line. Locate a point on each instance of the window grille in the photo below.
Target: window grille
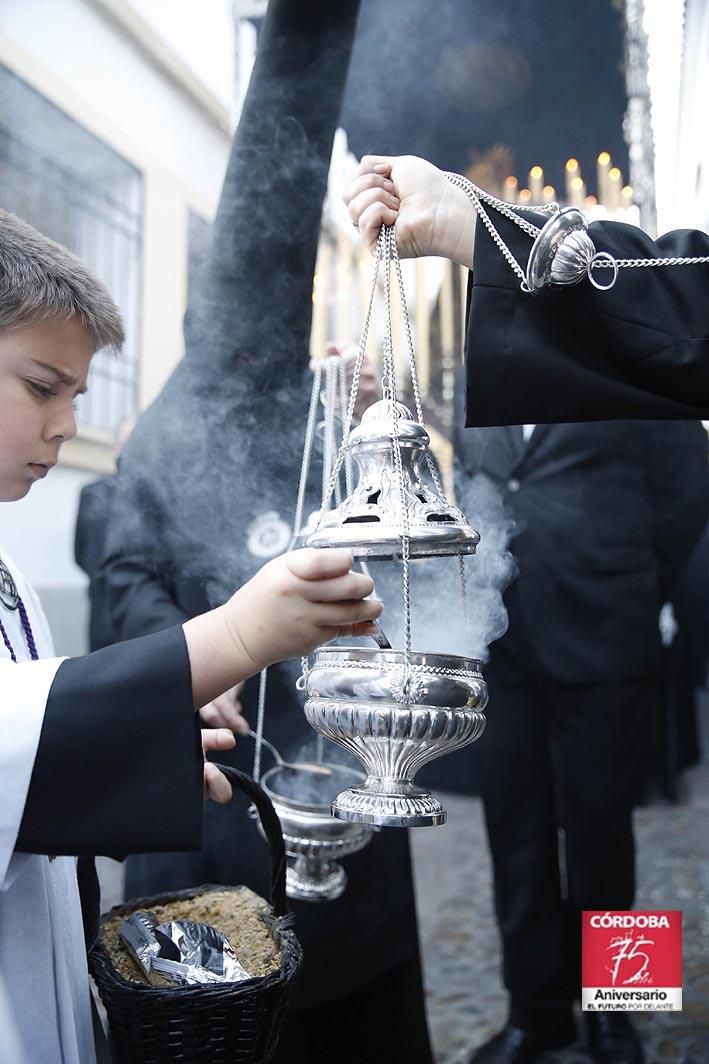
{"x": 74, "y": 188}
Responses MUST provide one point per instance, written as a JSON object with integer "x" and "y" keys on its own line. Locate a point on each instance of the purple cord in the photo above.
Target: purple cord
{"x": 26, "y": 628}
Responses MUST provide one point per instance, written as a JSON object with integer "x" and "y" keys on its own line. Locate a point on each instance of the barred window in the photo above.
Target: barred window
{"x": 70, "y": 185}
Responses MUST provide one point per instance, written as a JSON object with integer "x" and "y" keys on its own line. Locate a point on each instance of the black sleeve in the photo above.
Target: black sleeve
{"x": 119, "y": 764}
{"x": 640, "y": 350}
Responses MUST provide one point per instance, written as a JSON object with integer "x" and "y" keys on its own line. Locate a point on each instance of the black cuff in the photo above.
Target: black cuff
{"x": 119, "y": 765}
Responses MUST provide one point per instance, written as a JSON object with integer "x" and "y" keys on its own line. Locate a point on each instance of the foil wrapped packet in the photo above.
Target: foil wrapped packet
{"x": 180, "y": 952}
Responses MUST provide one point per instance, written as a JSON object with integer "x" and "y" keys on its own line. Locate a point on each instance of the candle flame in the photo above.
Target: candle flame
{"x": 511, "y": 182}
{"x": 627, "y": 192}
{"x": 525, "y": 195}
{"x": 576, "y": 182}
{"x": 572, "y": 164}
{"x": 604, "y": 158}
{"x": 614, "y": 173}
{"x": 536, "y": 172}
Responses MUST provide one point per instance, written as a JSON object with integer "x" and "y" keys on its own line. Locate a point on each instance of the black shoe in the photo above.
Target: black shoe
{"x": 516, "y": 1045}
{"x": 612, "y": 1039}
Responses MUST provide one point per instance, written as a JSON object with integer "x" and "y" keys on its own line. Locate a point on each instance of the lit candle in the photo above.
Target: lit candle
{"x": 603, "y": 163}
{"x": 364, "y": 277}
{"x": 343, "y": 309}
{"x": 510, "y": 189}
{"x": 577, "y": 191}
{"x": 615, "y": 180}
{"x": 445, "y": 305}
{"x": 536, "y": 182}
{"x": 572, "y": 171}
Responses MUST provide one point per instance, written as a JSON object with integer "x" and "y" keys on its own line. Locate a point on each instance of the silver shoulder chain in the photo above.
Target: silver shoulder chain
{"x": 603, "y": 260}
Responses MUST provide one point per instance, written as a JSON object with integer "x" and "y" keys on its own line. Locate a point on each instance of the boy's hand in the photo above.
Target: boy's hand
{"x": 216, "y": 785}
{"x": 297, "y": 602}
{"x": 432, "y": 216}
{"x": 225, "y": 711}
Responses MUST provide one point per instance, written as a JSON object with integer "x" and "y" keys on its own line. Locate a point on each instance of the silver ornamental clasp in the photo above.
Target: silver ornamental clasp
{"x": 563, "y": 254}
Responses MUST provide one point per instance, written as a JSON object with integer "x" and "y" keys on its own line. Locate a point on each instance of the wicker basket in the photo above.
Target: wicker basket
{"x": 234, "y": 1023}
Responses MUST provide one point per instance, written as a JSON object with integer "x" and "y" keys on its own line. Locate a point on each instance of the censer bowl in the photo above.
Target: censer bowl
{"x": 358, "y": 698}
{"x": 314, "y": 840}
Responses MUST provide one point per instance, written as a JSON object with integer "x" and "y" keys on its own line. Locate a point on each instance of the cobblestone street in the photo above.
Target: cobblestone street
{"x": 466, "y": 1003}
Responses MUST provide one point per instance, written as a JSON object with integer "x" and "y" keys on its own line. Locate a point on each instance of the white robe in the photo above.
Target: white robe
{"x": 45, "y": 1015}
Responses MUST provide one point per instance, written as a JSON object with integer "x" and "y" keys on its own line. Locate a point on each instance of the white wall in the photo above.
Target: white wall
{"x": 663, "y": 25}
{"x": 38, "y": 534}
{"x": 24, "y": 526}
{"x": 692, "y": 157}
{"x": 201, "y": 34}
{"x": 84, "y": 48}
{"x": 678, "y": 46}
{"x": 173, "y": 125}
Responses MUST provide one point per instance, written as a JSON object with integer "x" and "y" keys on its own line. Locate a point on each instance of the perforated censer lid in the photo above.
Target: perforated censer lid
{"x": 369, "y": 521}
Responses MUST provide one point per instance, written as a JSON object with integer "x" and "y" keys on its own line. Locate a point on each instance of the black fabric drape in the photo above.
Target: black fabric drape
{"x": 640, "y": 350}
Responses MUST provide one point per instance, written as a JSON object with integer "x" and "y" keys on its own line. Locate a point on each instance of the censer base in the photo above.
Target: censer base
{"x": 377, "y": 803}
{"x": 315, "y": 880}
{"x": 382, "y": 543}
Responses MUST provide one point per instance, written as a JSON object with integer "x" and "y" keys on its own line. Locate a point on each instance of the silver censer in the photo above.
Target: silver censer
{"x": 395, "y": 709}
{"x": 314, "y": 840}
{"x": 360, "y": 699}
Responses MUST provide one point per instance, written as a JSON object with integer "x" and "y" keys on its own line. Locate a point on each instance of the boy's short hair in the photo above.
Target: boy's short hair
{"x": 40, "y": 279}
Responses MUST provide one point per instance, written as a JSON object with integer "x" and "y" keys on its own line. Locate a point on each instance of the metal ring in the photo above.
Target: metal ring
{"x": 607, "y": 258}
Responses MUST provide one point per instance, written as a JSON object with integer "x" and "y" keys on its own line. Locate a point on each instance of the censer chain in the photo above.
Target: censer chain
{"x": 307, "y": 454}
{"x": 474, "y": 195}
{"x": 332, "y": 378}
{"x": 413, "y": 370}
{"x": 329, "y": 474}
{"x": 354, "y": 389}
{"x": 258, "y": 741}
{"x": 390, "y": 376}
{"x": 343, "y": 418}
{"x": 297, "y": 525}
{"x": 697, "y": 260}
{"x": 419, "y": 414}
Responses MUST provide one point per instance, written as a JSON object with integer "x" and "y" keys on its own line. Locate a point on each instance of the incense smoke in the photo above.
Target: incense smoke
{"x": 438, "y": 620}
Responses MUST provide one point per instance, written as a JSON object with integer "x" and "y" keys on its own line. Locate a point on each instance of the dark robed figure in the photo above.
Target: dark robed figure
{"x": 209, "y": 478}
{"x": 640, "y": 350}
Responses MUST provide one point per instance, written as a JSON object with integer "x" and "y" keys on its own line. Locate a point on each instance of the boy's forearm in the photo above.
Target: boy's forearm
{"x": 217, "y": 660}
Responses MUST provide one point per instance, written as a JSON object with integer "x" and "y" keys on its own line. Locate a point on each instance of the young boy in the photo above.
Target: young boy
{"x": 102, "y": 753}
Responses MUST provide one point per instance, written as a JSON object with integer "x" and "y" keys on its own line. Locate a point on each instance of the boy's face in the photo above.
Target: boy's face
{"x": 43, "y": 367}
